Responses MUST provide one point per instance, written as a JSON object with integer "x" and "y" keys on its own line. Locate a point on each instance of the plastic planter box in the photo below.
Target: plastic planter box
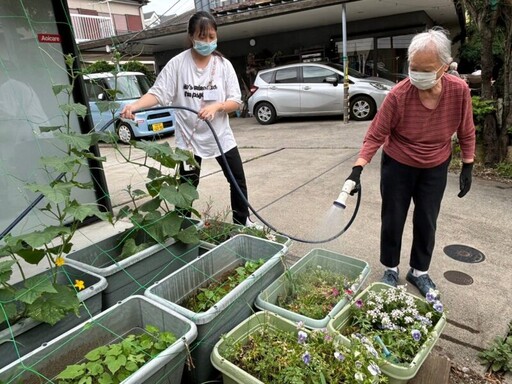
{"x": 232, "y": 374}
{"x": 397, "y": 373}
{"x": 353, "y": 269}
{"x": 129, "y": 316}
{"x": 135, "y": 273}
{"x": 28, "y": 334}
{"x": 233, "y": 308}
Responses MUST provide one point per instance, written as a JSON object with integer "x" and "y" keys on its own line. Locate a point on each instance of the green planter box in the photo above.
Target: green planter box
{"x": 232, "y": 374}
{"x": 126, "y": 317}
{"x": 27, "y": 335}
{"x": 233, "y": 308}
{"x": 397, "y": 373}
{"x": 134, "y": 274}
{"x": 353, "y": 269}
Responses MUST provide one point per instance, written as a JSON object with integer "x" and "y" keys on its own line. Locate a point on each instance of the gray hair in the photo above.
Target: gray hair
{"x": 436, "y": 40}
{"x": 453, "y": 65}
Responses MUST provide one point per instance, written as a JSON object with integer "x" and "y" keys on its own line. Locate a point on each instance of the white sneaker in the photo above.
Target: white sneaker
{"x": 251, "y": 224}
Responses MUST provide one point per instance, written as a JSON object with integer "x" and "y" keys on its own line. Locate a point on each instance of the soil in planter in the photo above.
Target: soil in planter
{"x": 216, "y": 288}
{"x": 313, "y": 292}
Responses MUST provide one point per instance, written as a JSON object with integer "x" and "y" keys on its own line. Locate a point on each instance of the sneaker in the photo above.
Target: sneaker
{"x": 390, "y": 277}
{"x": 251, "y": 224}
{"x": 423, "y": 282}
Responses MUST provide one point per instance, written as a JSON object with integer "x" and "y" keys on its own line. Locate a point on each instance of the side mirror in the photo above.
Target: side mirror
{"x": 332, "y": 80}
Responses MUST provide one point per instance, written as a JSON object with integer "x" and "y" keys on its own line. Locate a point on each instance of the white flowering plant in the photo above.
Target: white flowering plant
{"x": 274, "y": 355}
{"x": 397, "y": 321}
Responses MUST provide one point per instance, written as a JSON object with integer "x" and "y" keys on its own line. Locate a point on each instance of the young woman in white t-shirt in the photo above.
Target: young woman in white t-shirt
{"x": 202, "y": 79}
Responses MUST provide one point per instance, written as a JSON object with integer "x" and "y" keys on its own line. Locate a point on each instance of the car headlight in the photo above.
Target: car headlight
{"x": 380, "y": 86}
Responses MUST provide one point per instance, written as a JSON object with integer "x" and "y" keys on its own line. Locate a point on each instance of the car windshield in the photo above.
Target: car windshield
{"x": 130, "y": 86}
{"x": 351, "y": 72}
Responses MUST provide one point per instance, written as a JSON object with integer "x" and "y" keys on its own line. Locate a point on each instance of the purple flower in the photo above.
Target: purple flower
{"x": 306, "y": 358}
{"x": 302, "y": 337}
{"x": 374, "y": 369}
{"x": 416, "y": 335}
{"x": 431, "y": 296}
{"x": 359, "y": 303}
{"x": 438, "y": 306}
{"x": 339, "y": 356}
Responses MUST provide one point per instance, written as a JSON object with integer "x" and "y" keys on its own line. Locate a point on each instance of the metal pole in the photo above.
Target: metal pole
{"x": 345, "y": 63}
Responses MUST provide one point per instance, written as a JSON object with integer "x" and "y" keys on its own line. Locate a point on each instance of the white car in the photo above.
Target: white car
{"x": 314, "y": 89}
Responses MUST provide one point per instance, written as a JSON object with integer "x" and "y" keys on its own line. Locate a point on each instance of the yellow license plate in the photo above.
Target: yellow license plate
{"x": 158, "y": 127}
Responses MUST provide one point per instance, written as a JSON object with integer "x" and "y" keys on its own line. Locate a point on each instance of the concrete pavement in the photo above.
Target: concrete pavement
{"x": 295, "y": 169}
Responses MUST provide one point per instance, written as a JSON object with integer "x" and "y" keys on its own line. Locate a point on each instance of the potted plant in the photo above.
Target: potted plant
{"x": 223, "y": 308}
{"x": 51, "y": 302}
{"x": 160, "y": 240}
{"x": 316, "y": 288}
{"x": 266, "y": 348}
{"x": 405, "y": 327}
{"x": 216, "y": 229}
{"x": 133, "y": 342}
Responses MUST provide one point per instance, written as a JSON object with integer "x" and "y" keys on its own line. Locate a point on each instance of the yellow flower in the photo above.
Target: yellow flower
{"x": 59, "y": 261}
{"x": 79, "y": 284}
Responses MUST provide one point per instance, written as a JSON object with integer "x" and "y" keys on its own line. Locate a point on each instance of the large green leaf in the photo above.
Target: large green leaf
{"x": 189, "y": 192}
{"x": 153, "y": 187}
{"x": 171, "y": 224}
{"x": 81, "y": 212}
{"x": 79, "y": 109}
{"x": 172, "y": 196}
{"x": 38, "y": 238}
{"x": 57, "y": 193}
{"x": 80, "y": 142}
{"x": 189, "y": 235}
{"x": 63, "y": 163}
{"x": 150, "y": 205}
{"x": 34, "y": 288}
{"x": 58, "y": 88}
{"x": 52, "y": 307}
{"x": 6, "y": 270}
{"x": 31, "y": 255}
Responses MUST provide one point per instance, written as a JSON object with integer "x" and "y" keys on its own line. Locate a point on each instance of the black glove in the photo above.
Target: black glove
{"x": 355, "y": 176}
{"x": 465, "y": 179}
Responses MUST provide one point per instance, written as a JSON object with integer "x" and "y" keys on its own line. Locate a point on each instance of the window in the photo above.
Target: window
{"x": 312, "y": 74}
{"x": 287, "y": 75}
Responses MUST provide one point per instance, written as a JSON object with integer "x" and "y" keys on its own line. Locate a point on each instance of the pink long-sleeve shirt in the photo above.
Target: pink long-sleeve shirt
{"x": 417, "y": 136}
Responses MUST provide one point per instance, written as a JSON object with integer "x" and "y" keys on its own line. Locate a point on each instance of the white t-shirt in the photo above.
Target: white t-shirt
{"x": 181, "y": 83}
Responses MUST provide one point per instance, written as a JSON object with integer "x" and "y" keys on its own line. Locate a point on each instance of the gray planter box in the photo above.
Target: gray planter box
{"x": 134, "y": 274}
{"x": 233, "y": 308}
{"x": 128, "y": 316}
{"x": 27, "y": 335}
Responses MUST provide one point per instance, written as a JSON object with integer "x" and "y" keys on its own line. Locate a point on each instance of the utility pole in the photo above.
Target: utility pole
{"x": 345, "y": 64}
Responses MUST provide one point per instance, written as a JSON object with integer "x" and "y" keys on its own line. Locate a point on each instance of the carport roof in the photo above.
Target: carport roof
{"x": 274, "y": 17}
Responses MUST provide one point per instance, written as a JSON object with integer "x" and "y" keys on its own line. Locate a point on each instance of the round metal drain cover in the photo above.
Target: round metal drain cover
{"x": 464, "y": 253}
{"x": 459, "y": 278}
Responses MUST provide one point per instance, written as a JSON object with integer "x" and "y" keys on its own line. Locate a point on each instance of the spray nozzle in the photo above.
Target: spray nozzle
{"x": 348, "y": 187}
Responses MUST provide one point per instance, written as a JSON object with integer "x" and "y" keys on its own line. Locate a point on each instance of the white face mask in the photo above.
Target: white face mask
{"x": 424, "y": 80}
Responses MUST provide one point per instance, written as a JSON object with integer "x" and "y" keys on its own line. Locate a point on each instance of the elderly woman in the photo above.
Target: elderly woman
{"x": 415, "y": 125}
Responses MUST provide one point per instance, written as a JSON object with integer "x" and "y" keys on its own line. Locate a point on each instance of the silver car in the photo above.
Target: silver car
{"x": 314, "y": 89}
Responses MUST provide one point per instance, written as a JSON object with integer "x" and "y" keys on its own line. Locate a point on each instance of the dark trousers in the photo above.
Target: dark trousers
{"x": 399, "y": 185}
{"x": 238, "y": 205}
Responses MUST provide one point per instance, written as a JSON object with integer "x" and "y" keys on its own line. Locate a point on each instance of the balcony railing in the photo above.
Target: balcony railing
{"x": 89, "y": 27}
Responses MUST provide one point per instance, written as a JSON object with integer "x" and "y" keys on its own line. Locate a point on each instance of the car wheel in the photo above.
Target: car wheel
{"x": 125, "y": 133}
{"x": 265, "y": 113}
{"x": 362, "y": 108}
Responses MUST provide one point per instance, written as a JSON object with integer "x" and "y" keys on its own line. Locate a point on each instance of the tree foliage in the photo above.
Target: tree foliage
{"x": 491, "y": 22}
